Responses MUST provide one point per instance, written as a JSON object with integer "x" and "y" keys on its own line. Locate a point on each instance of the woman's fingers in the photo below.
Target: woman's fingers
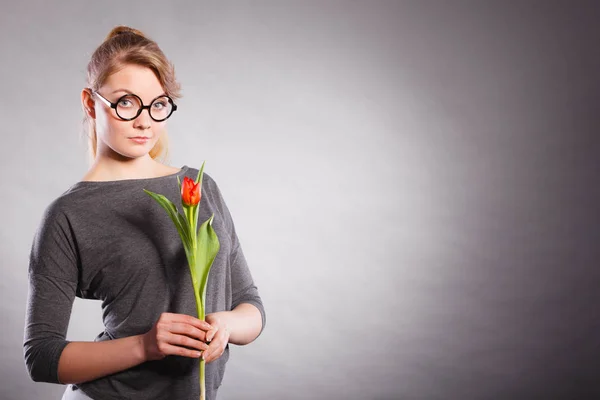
{"x": 188, "y": 330}
{"x": 217, "y": 345}
{"x": 169, "y": 349}
{"x": 186, "y": 341}
{"x": 187, "y": 319}
{"x": 210, "y": 334}
{"x": 176, "y": 334}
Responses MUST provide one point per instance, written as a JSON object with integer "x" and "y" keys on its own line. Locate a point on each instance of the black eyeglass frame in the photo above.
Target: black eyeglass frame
{"x": 142, "y": 107}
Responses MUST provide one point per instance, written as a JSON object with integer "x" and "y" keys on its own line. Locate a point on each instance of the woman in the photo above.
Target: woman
{"x": 106, "y": 239}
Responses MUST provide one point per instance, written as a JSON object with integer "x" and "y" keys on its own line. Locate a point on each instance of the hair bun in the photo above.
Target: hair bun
{"x": 120, "y": 30}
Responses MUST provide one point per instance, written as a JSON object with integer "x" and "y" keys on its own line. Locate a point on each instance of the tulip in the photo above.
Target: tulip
{"x": 201, "y": 244}
{"x": 190, "y": 192}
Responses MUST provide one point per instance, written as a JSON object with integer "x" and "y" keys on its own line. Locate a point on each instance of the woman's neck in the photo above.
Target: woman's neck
{"x": 107, "y": 169}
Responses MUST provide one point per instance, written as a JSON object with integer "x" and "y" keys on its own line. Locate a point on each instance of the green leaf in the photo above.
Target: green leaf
{"x": 194, "y": 216}
{"x": 200, "y": 174}
{"x": 188, "y": 241}
{"x": 206, "y": 252}
{"x": 174, "y": 215}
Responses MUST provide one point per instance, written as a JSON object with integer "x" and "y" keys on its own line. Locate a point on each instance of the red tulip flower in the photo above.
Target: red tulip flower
{"x": 190, "y": 192}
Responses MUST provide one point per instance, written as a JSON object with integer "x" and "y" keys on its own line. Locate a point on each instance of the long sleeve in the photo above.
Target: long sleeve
{"x": 243, "y": 289}
{"x": 52, "y": 289}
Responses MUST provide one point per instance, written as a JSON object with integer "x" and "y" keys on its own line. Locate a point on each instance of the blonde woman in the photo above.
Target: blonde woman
{"x": 105, "y": 239}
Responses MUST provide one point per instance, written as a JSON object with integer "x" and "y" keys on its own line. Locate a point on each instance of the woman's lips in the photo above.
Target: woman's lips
{"x": 140, "y": 139}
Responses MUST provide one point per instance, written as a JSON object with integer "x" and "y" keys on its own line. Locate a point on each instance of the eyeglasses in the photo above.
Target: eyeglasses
{"x": 130, "y": 106}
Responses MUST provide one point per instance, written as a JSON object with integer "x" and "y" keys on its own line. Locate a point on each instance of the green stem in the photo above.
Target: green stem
{"x": 202, "y": 380}
{"x": 191, "y": 215}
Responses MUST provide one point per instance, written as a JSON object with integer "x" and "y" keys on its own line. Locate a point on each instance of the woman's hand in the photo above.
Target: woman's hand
{"x": 176, "y": 334}
{"x": 218, "y": 336}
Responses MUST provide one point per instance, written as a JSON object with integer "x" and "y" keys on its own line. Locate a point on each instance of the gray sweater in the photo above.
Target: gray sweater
{"x": 110, "y": 241}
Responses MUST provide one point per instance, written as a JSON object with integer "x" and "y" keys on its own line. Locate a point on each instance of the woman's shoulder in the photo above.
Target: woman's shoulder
{"x": 55, "y": 215}
{"x": 59, "y": 208}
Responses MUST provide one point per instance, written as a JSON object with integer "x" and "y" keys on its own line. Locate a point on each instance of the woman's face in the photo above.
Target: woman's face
{"x": 135, "y": 138}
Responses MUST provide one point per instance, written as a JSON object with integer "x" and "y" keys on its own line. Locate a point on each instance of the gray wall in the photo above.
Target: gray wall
{"x": 414, "y": 184}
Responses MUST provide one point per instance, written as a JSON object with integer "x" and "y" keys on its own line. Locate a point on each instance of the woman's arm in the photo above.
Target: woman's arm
{"x": 244, "y": 324}
{"x": 246, "y": 320}
{"x": 239, "y": 326}
{"x": 173, "y": 334}
{"x": 85, "y": 361}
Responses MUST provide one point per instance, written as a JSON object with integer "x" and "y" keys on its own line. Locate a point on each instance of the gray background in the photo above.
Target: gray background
{"x": 414, "y": 184}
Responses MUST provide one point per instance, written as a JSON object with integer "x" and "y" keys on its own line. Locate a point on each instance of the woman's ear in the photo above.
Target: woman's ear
{"x": 87, "y": 102}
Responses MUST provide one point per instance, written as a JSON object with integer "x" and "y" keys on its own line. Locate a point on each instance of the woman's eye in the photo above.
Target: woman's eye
{"x": 125, "y": 103}
{"x": 159, "y": 105}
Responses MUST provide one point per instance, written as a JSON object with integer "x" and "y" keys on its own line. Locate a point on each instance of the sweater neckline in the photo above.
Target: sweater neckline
{"x": 181, "y": 172}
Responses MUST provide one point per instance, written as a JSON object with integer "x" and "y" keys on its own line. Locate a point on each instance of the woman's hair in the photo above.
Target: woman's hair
{"x": 127, "y": 46}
